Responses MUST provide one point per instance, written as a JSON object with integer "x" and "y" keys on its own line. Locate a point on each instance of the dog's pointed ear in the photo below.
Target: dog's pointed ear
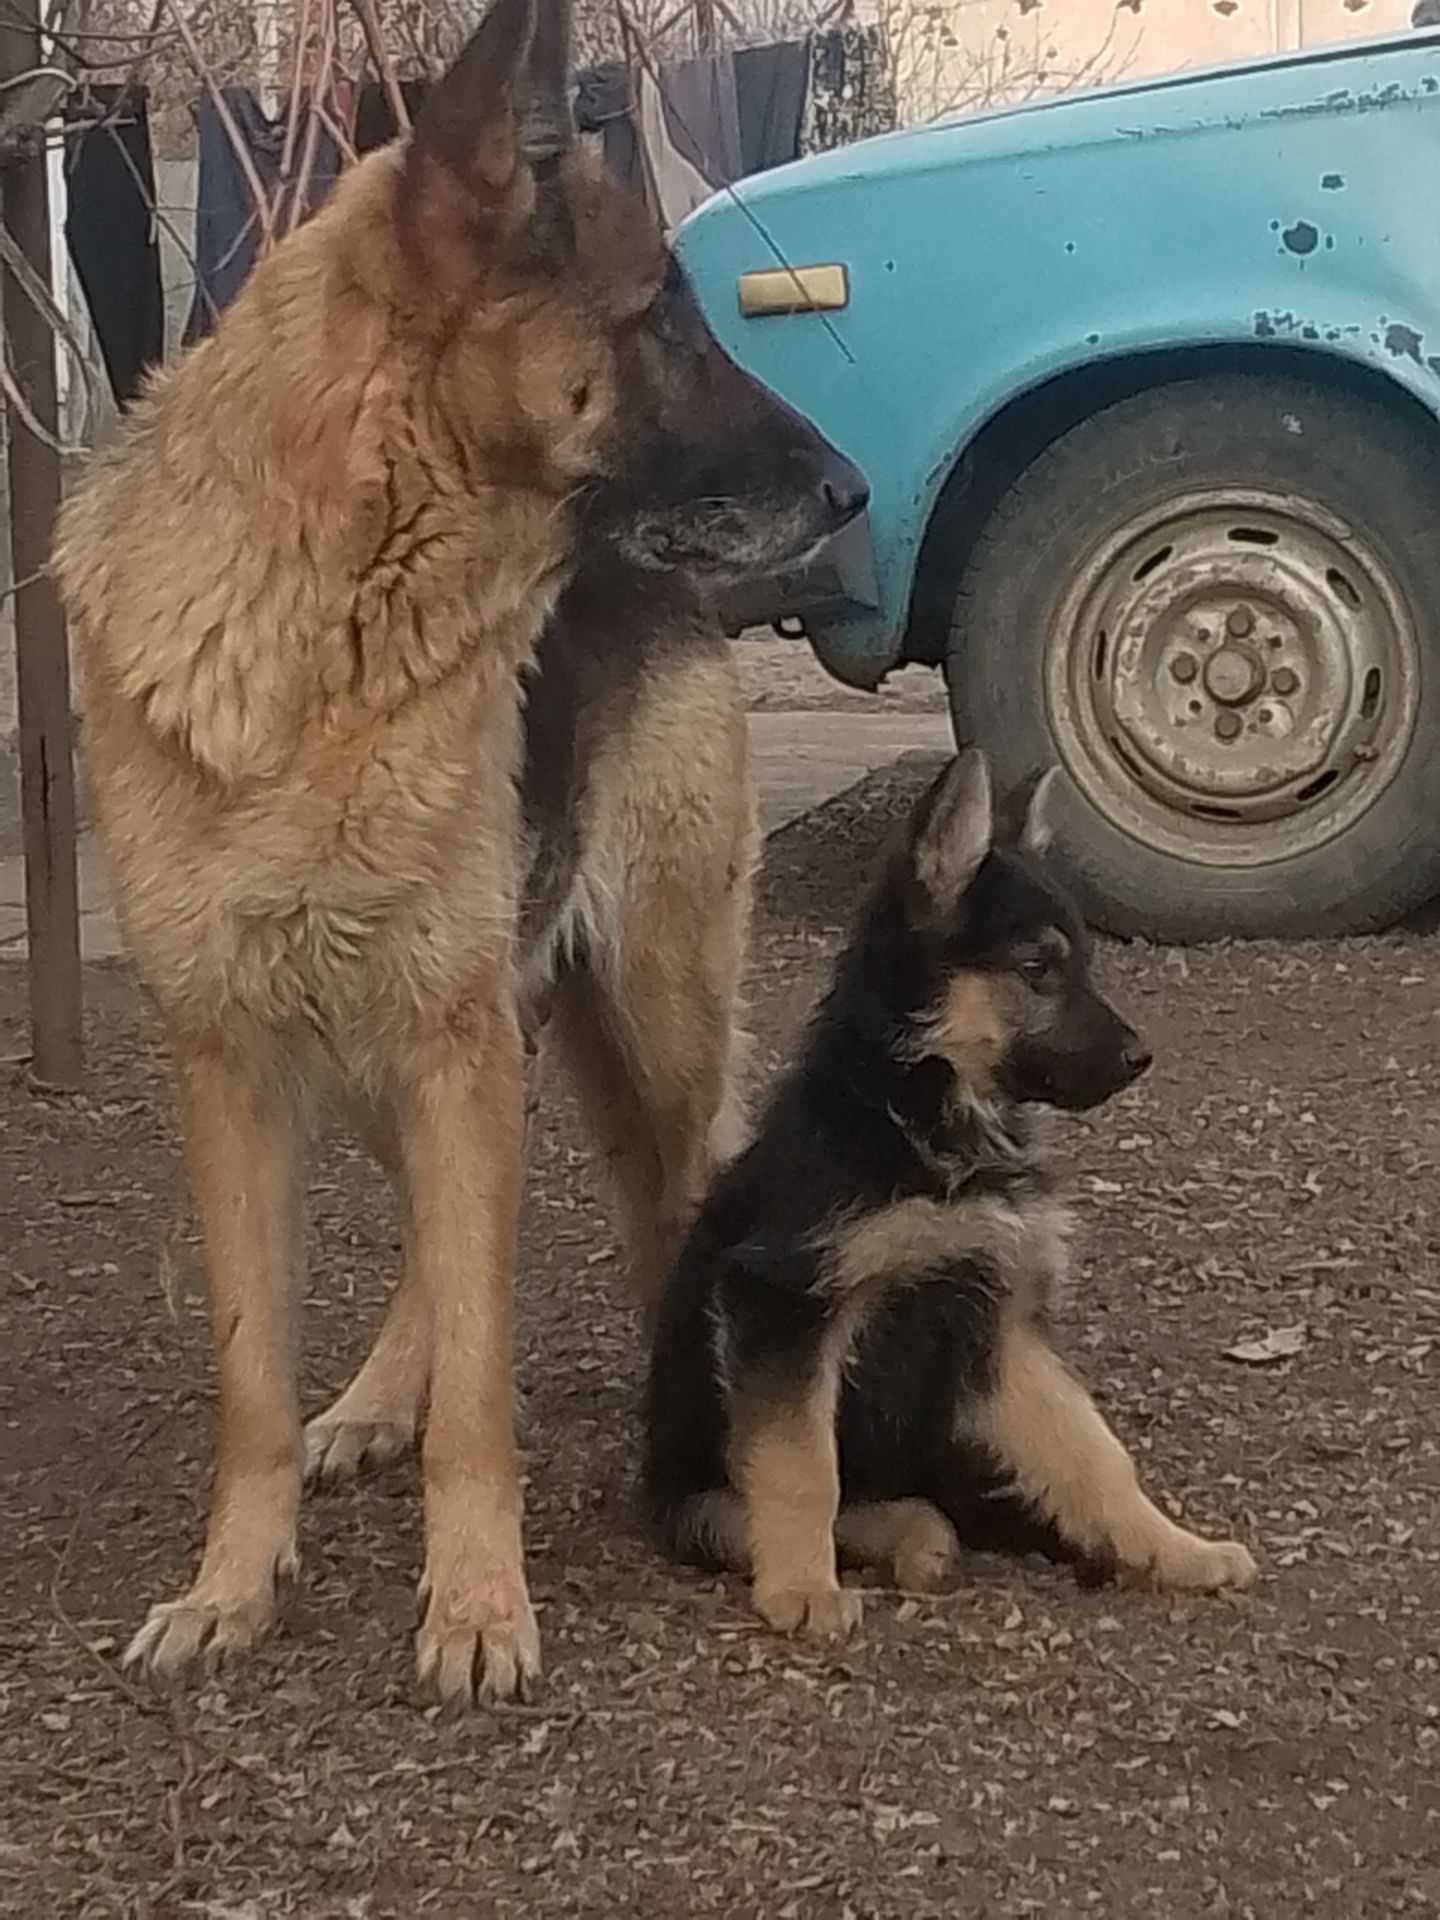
{"x": 466, "y": 197}
{"x": 953, "y": 830}
{"x": 468, "y": 125}
{"x": 1028, "y": 814}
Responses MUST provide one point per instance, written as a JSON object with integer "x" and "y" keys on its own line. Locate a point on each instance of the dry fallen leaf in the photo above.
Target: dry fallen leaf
{"x": 1280, "y": 1343}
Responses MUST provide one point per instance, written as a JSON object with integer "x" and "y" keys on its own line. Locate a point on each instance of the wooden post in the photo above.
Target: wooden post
{"x": 47, "y": 774}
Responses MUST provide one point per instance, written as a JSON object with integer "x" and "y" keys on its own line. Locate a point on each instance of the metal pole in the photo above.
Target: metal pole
{"x": 47, "y": 775}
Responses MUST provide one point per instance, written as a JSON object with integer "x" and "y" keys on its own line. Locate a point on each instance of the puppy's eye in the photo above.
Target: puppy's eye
{"x": 1035, "y": 968}
{"x": 579, "y": 396}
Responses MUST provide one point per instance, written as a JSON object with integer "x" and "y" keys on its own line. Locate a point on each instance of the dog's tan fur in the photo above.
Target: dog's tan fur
{"x": 660, "y": 897}
{"x": 303, "y": 585}
{"x": 971, "y": 1031}
{"x": 788, "y": 1521}
{"x": 1054, "y": 1446}
{"x": 1026, "y": 1248}
{"x": 786, "y": 1471}
{"x": 909, "y": 1542}
{"x": 784, "y": 1524}
{"x": 312, "y": 865}
{"x": 648, "y": 1029}
{"x": 1062, "y": 1456}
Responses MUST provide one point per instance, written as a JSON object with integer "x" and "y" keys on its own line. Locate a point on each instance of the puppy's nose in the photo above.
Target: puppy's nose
{"x": 1136, "y": 1055}
{"x": 845, "y": 491}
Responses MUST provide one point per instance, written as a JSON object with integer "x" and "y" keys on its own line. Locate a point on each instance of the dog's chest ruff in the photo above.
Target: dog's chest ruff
{"x": 1020, "y": 1245}
{"x": 361, "y": 897}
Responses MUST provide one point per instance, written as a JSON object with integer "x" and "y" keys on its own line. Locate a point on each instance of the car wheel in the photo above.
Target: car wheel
{"x": 1217, "y": 606}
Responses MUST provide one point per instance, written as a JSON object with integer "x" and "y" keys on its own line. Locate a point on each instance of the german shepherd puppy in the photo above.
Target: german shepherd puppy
{"x": 852, "y": 1349}
{"x": 305, "y": 584}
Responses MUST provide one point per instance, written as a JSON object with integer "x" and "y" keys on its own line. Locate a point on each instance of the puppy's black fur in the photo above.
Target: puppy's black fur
{"x": 963, "y": 1002}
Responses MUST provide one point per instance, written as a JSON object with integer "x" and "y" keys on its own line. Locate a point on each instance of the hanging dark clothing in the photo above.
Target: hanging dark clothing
{"x": 228, "y": 227}
{"x": 728, "y": 115}
{"x": 688, "y": 114}
{"x": 770, "y": 88}
{"x": 702, "y": 114}
{"x": 110, "y": 232}
{"x": 603, "y": 105}
{"x": 375, "y": 121}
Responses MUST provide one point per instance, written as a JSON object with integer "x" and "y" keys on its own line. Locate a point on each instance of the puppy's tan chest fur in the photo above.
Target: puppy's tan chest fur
{"x": 1022, "y": 1247}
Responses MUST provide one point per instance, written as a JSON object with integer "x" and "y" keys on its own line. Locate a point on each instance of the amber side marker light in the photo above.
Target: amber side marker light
{"x": 768, "y": 290}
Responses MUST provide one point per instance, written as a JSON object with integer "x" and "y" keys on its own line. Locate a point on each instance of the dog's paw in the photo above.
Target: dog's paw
{"x": 1188, "y": 1564}
{"x": 209, "y": 1621}
{"x": 823, "y": 1613}
{"x": 927, "y": 1554}
{"x": 337, "y": 1448}
{"x": 478, "y": 1652}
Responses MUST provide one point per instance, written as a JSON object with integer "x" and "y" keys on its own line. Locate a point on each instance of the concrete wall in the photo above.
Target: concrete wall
{"x": 970, "y": 53}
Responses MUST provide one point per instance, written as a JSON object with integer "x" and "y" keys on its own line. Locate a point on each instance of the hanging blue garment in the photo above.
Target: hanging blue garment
{"x": 228, "y": 226}
{"x": 770, "y": 88}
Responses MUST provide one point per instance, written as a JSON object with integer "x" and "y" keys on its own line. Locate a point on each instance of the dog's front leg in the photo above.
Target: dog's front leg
{"x": 786, "y": 1469}
{"x": 243, "y": 1140}
{"x": 1067, "y": 1464}
{"x": 461, "y": 1115}
{"x": 378, "y": 1414}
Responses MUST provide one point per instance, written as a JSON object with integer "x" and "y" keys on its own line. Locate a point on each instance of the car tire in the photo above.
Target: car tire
{"x": 1216, "y": 605}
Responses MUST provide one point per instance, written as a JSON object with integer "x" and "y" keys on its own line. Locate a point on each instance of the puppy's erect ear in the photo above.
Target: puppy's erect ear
{"x": 953, "y": 829}
{"x": 467, "y": 196}
{"x": 1027, "y": 820}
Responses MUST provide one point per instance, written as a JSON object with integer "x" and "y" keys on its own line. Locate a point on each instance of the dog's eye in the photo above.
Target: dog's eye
{"x": 580, "y": 396}
{"x": 1035, "y": 968}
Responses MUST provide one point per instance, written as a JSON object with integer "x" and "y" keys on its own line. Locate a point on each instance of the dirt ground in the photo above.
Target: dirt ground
{"x": 783, "y": 676}
{"x": 1017, "y": 1747}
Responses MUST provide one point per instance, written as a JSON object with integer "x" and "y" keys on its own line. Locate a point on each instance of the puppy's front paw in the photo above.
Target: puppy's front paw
{"x": 822, "y": 1613}
{"x": 1187, "y": 1564}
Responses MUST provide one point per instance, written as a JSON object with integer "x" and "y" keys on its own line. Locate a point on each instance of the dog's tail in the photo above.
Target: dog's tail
{"x": 704, "y": 1530}
{"x": 691, "y": 1516}
{"x": 689, "y": 1513}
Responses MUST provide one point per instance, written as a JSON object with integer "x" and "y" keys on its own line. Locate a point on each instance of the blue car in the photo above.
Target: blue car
{"x": 1146, "y": 382}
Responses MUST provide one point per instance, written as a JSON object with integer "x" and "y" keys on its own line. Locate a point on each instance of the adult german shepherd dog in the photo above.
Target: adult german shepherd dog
{"x": 474, "y": 395}
{"x": 852, "y": 1350}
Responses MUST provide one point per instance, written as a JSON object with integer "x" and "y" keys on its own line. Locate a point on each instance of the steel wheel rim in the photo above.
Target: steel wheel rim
{"x": 1233, "y": 676}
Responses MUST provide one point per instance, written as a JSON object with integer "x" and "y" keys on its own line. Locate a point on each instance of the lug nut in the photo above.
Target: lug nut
{"x": 1227, "y": 726}
{"x": 1285, "y": 681}
{"x": 1184, "y": 667}
{"x": 1239, "y": 621}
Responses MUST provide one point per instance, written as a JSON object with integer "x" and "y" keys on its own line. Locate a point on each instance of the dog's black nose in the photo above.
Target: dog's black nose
{"x": 1136, "y": 1055}
{"x": 845, "y": 491}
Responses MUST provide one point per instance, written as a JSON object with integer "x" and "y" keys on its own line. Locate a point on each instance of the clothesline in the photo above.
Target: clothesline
{"x": 674, "y": 132}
